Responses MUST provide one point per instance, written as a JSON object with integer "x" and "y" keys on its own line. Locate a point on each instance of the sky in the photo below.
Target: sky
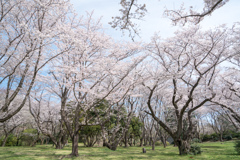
{"x": 154, "y": 21}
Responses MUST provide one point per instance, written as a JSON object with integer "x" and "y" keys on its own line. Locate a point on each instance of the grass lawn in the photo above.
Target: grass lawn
{"x": 211, "y": 150}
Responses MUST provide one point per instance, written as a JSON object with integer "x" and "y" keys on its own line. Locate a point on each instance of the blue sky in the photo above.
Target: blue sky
{"x": 154, "y": 20}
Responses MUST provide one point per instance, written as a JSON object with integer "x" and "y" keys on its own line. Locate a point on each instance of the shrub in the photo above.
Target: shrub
{"x": 195, "y": 140}
{"x": 159, "y": 143}
{"x": 28, "y": 136}
{"x": 236, "y": 135}
{"x": 237, "y": 147}
{"x": 214, "y": 137}
{"x": 195, "y": 149}
{"x": 227, "y": 137}
{"x": 206, "y": 137}
{"x": 11, "y": 140}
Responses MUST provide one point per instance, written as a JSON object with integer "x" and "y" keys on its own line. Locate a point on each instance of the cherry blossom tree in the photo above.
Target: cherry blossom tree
{"x": 120, "y": 120}
{"x": 219, "y": 122}
{"x": 228, "y": 94}
{"x": 181, "y": 16}
{"x": 10, "y": 125}
{"x": 186, "y": 67}
{"x": 30, "y": 33}
{"x": 134, "y": 10}
{"x": 228, "y": 90}
{"x": 94, "y": 69}
{"x": 46, "y": 114}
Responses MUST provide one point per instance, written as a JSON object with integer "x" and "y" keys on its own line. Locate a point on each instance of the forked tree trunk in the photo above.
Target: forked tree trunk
{"x": 47, "y": 141}
{"x": 59, "y": 145}
{"x": 42, "y": 141}
{"x": 163, "y": 140}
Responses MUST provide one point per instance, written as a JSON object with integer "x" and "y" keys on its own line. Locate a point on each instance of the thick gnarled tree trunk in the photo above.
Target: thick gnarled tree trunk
{"x": 183, "y": 146}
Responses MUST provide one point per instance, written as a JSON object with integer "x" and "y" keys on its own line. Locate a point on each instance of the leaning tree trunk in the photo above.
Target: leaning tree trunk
{"x": 4, "y": 141}
{"x": 112, "y": 146}
{"x": 35, "y": 141}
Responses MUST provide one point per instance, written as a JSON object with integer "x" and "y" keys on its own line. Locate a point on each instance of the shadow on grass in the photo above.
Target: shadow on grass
{"x": 211, "y": 147}
{"x": 14, "y": 156}
{"x": 233, "y": 154}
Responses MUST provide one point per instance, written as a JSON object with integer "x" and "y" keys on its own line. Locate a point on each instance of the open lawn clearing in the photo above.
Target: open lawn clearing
{"x": 211, "y": 150}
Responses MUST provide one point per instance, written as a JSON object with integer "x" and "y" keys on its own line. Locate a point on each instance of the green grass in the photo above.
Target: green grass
{"x": 211, "y": 151}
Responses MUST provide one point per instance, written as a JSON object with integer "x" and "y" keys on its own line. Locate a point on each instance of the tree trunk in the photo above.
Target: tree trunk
{"x": 47, "y": 141}
{"x": 112, "y": 146}
{"x": 150, "y": 141}
{"x": 145, "y": 141}
{"x": 4, "y": 141}
{"x": 142, "y": 138}
{"x": 126, "y": 140}
{"x": 59, "y": 145}
{"x": 183, "y": 147}
{"x": 75, "y": 145}
{"x": 164, "y": 144}
{"x": 18, "y": 144}
{"x": 141, "y": 142}
{"x": 134, "y": 141}
{"x": 221, "y": 137}
{"x": 163, "y": 140}
{"x": 130, "y": 141}
{"x": 120, "y": 144}
{"x": 42, "y": 141}
{"x": 153, "y": 145}
{"x": 33, "y": 144}
{"x": 64, "y": 140}
{"x": 104, "y": 143}
{"x": 35, "y": 141}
